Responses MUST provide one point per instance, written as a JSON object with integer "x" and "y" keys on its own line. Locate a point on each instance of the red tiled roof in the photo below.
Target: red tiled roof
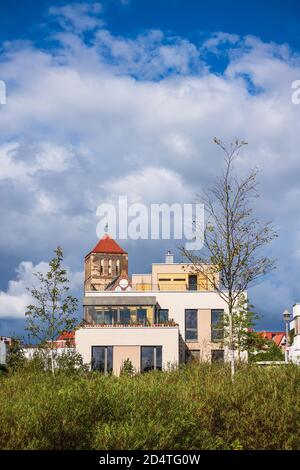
{"x": 278, "y": 338}
{"x": 108, "y": 245}
{"x": 66, "y": 336}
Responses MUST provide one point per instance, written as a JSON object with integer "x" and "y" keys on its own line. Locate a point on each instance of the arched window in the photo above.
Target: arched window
{"x": 109, "y": 266}
{"x": 101, "y": 266}
{"x": 118, "y": 266}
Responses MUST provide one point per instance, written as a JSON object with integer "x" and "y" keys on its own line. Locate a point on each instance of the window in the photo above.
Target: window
{"x": 125, "y": 316}
{"x": 192, "y": 355}
{"x": 162, "y": 315}
{"x": 109, "y": 266}
{"x": 111, "y": 315}
{"x": 217, "y": 355}
{"x": 151, "y": 358}
{"x": 191, "y": 325}
{"x": 102, "y": 358}
{"x": 217, "y": 332}
{"x": 101, "y": 266}
{"x": 193, "y": 282}
{"x": 117, "y": 266}
{"x": 141, "y": 315}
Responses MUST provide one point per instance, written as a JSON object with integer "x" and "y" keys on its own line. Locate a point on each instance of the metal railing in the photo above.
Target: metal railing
{"x": 162, "y": 287}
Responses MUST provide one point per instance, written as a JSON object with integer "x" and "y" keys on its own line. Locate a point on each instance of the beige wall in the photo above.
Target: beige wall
{"x": 121, "y": 353}
{"x": 182, "y": 270}
{"x": 167, "y": 337}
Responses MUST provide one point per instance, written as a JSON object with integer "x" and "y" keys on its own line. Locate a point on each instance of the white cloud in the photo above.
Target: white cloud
{"x": 150, "y": 185}
{"x": 21, "y": 162}
{"x": 79, "y": 17}
{"x": 137, "y": 116}
{"x": 16, "y": 298}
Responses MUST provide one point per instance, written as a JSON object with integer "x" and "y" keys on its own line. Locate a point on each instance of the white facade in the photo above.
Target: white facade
{"x": 172, "y": 339}
{"x": 294, "y": 350}
{"x": 175, "y": 302}
{"x": 127, "y": 343}
{"x": 2, "y": 352}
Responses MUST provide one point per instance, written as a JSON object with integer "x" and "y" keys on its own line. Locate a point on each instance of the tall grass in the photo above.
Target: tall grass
{"x": 196, "y": 407}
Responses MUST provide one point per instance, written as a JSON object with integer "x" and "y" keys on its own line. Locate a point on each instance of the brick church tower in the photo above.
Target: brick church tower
{"x": 105, "y": 265}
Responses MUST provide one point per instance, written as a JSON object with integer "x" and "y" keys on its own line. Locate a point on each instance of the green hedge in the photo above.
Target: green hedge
{"x": 196, "y": 407}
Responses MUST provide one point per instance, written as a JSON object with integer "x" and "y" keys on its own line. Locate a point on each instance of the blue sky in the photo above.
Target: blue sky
{"x": 125, "y": 97}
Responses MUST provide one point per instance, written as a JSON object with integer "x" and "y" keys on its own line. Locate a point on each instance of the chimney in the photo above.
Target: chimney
{"x": 169, "y": 257}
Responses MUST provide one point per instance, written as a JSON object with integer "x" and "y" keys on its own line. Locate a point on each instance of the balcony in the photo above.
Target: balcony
{"x": 161, "y": 287}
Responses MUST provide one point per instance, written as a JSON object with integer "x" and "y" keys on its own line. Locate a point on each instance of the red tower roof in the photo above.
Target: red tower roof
{"x": 108, "y": 245}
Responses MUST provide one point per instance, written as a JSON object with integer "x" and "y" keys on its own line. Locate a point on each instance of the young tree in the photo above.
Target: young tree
{"x": 15, "y": 358}
{"x": 233, "y": 237}
{"x": 53, "y": 310}
{"x": 243, "y": 321}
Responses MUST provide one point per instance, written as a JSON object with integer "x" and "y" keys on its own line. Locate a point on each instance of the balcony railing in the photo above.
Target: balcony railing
{"x": 168, "y": 324}
{"x": 162, "y": 287}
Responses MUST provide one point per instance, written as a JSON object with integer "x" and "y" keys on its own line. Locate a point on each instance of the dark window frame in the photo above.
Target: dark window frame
{"x": 107, "y": 370}
{"x": 217, "y": 334}
{"x": 216, "y": 360}
{"x": 186, "y": 329}
{"x": 158, "y": 319}
{"x": 155, "y": 365}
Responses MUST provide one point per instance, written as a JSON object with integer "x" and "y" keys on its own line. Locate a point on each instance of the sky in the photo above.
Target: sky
{"x": 124, "y": 97}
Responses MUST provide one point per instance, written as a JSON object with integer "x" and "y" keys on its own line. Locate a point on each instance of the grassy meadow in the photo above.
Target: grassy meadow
{"x": 195, "y": 407}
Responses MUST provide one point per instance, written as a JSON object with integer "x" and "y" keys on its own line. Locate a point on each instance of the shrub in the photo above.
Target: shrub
{"x": 194, "y": 407}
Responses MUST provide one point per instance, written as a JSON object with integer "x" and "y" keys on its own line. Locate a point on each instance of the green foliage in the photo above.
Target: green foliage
{"x": 194, "y": 407}
{"x": 70, "y": 361}
{"x": 127, "y": 368}
{"x": 272, "y": 353}
{"x": 243, "y": 321}
{"x": 15, "y": 357}
{"x": 53, "y": 309}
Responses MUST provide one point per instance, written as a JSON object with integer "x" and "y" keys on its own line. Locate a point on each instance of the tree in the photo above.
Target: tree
{"x": 271, "y": 352}
{"x": 234, "y": 238}
{"x": 71, "y": 361}
{"x": 15, "y": 358}
{"x": 127, "y": 368}
{"x": 243, "y": 321}
{"x": 53, "y": 310}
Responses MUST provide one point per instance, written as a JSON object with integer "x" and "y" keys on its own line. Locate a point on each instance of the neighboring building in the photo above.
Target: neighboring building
{"x": 279, "y": 337}
{"x": 157, "y": 320}
{"x": 65, "y": 342}
{"x": 5, "y": 342}
{"x": 294, "y": 327}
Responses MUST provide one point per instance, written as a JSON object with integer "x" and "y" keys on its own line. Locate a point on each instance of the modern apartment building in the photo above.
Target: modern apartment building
{"x": 156, "y": 320}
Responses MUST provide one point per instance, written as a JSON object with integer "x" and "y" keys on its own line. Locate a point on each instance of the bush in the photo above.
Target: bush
{"x": 195, "y": 407}
{"x": 70, "y": 361}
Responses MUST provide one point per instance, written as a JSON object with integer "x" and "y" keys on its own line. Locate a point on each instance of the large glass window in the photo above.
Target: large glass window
{"x": 191, "y": 325}
{"x": 193, "y": 355}
{"x": 217, "y": 331}
{"x": 162, "y": 315}
{"x": 193, "y": 282}
{"x": 125, "y": 316}
{"x": 112, "y": 315}
{"x": 151, "y": 358}
{"x": 141, "y": 316}
{"x": 102, "y": 358}
{"x": 217, "y": 355}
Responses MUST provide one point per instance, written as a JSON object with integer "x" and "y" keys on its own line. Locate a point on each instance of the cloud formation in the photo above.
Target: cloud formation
{"x": 93, "y": 117}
